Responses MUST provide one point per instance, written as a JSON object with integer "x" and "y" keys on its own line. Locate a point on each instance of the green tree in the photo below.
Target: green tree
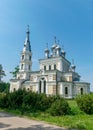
{"x": 4, "y": 87}
{"x": 2, "y": 72}
{"x": 16, "y": 70}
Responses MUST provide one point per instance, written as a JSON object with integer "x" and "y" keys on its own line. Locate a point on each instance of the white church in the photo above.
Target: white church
{"x": 56, "y": 74}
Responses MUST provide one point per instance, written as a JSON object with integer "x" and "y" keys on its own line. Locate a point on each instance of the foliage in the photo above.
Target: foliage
{"x": 16, "y": 70}
{"x": 74, "y": 109}
{"x": 60, "y": 107}
{"x": 4, "y": 87}
{"x": 30, "y": 101}
{"x": 85, "y": 103}
{"x": 76, "y": 122}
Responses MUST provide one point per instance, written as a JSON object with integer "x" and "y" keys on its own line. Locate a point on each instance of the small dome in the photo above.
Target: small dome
{"x": 63, "y": 51}
{"x": 58, "y": 47}
{"x": 73, "y": 66}
{"x": 54, "y": 46}
{"x": 46, "y": 50}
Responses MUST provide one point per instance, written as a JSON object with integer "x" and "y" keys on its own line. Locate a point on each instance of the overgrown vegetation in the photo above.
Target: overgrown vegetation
{"x": 85, "y": 103}
{"x": 67, "y": 113}
{"x": 33, "y": 102}
{"x": 4, "y": 87}
{"x": 59, "y": 107}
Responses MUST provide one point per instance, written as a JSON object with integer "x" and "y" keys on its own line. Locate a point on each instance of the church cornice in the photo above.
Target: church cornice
{"x": 54, "y": 58}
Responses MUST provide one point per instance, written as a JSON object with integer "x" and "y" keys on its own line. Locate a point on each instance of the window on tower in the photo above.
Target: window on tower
{"x": 49, "y": 67}
{"x": 29, "y": 67}
{"x": 22, "y": 57}
{"x": 22, "y": 67}
{"x": 54, "y": 67}
{"x": 44, "y": 67}
{"x": 30, "y": 58}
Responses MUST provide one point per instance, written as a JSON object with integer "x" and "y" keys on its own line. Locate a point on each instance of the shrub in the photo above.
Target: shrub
{"x": 12, "y": 100}
{"x": 85, "y": 103}
{"x": 30, "y": 101}
{"x": 59, "y": 107}
{"x": 2, "y": 101}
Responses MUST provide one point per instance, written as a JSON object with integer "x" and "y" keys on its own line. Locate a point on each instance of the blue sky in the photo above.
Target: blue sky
{"x": 71, "y": 21}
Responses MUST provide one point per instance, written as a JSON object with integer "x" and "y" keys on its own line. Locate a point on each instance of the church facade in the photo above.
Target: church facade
{"x": 56, "y": 75}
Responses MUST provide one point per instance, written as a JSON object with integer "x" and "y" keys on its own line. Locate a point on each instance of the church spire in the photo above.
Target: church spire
{"x": 27, "y": 33}
{"x": 27, "y": 46}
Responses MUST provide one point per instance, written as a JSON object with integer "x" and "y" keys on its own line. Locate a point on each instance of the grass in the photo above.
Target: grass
{"x": 77, "y": 120}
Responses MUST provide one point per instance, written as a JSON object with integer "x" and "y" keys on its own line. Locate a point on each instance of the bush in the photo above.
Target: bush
{"x": 27, "y": 101}
{"x": 32, "y": 102}
{"x": 85, "y": 103}
{"x": 12, "y": 100}
{"x": 59, "y": 107}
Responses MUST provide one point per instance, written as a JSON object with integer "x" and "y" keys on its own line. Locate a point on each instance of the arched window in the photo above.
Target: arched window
{"x": 49, "y": 67}
{"x": 29, "y": 67}
{"x": 30, "y": 58}
{"x": 14, "y": 89}
{"x": 81, "y": 91}
{"x": 28, "y": 89}
{"x": 54, "y": 67}
{"x": 22, "y": 57}
{"x": 39, "y": 86}
{"x": 66, "y": 91}
{"x": 44, "y": 67}
{"x": 44, "y": 86}
{"x": 22, "y": 67}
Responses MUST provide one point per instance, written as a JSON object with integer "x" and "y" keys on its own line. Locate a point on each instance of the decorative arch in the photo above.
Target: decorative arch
{"x": 42, "y": 85}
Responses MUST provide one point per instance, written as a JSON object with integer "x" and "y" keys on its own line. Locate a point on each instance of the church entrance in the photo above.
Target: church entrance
{"x": 42, "y": 85}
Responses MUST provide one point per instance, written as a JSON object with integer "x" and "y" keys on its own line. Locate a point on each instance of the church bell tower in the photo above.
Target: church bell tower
{"x": 25, "y": 62}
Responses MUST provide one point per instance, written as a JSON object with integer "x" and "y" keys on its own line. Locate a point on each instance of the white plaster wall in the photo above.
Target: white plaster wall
{"x": 14, "y": 85}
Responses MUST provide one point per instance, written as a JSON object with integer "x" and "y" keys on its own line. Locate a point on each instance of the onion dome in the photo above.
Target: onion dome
{"x": 63, "y": 52}
{"x": 47, "y": 52}
{"x": 58, "y": 50}
{"x": 58, "y": 47}
{"x": 73, "y": 67}
{"x": 54, "y": 45}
